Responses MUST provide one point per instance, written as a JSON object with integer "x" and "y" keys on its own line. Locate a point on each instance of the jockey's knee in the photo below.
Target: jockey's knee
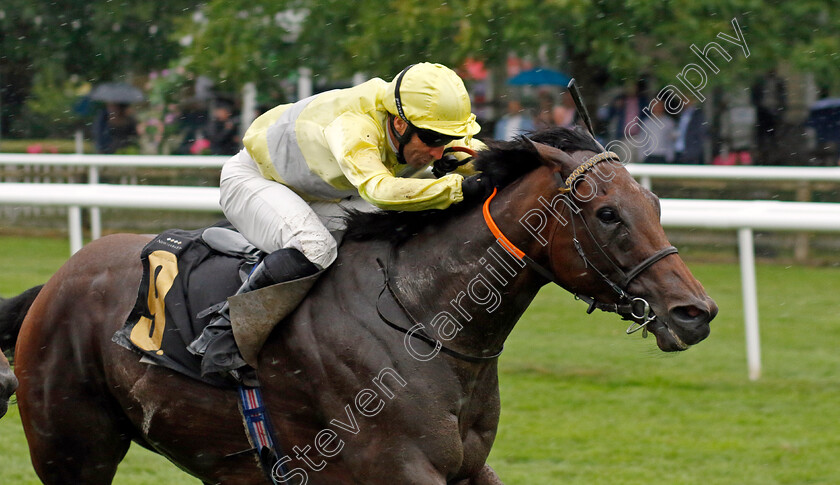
{"x": 316, "y": 243}
{"x": 321, "y": 252}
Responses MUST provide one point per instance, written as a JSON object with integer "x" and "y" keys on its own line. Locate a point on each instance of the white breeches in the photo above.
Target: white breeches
{"x": 271, "y": 216}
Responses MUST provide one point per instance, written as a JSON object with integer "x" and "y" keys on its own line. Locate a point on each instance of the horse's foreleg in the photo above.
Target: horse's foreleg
{"x": 72, "y": 439}
{"x": 486, "y": 476}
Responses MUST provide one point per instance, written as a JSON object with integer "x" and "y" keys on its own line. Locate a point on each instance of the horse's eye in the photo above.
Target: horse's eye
{"x": 608, "y": 215}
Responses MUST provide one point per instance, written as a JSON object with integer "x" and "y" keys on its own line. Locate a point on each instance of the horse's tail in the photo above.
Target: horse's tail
{"x": 12, "y": 312}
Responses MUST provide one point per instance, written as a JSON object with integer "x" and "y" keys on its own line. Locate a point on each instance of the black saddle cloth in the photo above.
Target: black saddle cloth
{"x": 182, "y": 276}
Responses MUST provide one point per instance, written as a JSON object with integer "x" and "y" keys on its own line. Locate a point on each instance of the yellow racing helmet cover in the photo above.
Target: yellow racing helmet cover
{"x": 432, "y": 97}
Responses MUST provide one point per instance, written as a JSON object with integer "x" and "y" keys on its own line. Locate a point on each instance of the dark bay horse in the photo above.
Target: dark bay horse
{"x": 10, "y": 308}
{"x": 8, "y": 384}
{"x": 353, "y": 399}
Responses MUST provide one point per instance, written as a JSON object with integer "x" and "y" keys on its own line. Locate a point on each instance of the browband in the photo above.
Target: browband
{"x": 587, "y": 165}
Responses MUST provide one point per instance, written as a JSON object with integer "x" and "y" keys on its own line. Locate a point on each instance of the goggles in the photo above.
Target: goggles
{"x": 434, "y": 139}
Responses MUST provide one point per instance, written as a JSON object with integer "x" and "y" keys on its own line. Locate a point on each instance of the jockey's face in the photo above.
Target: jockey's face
{"x": 417, "y": 154}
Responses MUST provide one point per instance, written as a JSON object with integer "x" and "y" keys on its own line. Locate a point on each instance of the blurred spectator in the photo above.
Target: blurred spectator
{"x": 824, "y": 120}
{"x": 114, "y": 128}
{"x": 737, "y": 127}
{"x": 192, "y": 122}
{"x": 691, "y": 135}
{"x": 545, "y": 110}
{"x": 201, "y": 146}
{"x": 769, "y": 98}
{"x": 565, "y": 114}
{"x": 726, "y": 157}
{"x": 624, "y": 109}
{"x": 662, "y": 131}
{"x": 737, "y": 135}
{"x": 222, "y": 130}
{"x": 515, "y": 122}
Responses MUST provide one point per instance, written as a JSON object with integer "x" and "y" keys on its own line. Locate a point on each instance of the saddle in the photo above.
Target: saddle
{"x": 184, "y": 274}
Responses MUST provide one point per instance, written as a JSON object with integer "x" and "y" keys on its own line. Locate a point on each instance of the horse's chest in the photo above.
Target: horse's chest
{"x": 456, "y": 432}
{"x": 413, "y": 427}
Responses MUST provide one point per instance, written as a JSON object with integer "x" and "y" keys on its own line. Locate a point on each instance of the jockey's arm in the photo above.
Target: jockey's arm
{"x": 411, "y": 194}
{"x": 356, "y": 148}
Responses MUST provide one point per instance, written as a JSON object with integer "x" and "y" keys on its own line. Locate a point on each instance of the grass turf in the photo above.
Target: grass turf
{"x": 584, "y": 404}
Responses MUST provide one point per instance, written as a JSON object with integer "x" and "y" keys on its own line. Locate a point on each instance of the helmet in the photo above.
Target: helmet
{"x": 432, "y": 97}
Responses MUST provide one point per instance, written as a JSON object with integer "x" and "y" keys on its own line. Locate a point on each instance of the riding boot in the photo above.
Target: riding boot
{"x": 216, "y": 343}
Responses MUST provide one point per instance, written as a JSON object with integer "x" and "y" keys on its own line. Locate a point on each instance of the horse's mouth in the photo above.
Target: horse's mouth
{"x": 666, "y": 338}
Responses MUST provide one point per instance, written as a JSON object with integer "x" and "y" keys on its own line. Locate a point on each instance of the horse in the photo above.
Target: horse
{"x": 15, "y": 306}
{"x": 8, "y": 383}
{"x": 387, "y": 370}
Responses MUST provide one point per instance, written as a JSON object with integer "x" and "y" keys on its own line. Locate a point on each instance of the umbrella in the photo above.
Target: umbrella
{"x": 824, "y": 117}
{"x": 116, "y": 93}
{"x": 826, "y": 103}
{"x": 539, "y": 76}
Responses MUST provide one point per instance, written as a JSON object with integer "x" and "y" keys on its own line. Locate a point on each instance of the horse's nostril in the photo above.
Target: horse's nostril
{"x": 689, "y": 315}
{"x": 693, "y": 311}
{"x": 691, "y": 322}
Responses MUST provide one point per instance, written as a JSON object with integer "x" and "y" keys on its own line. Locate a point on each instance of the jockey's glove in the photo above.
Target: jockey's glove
{"x": 448, "y": 163}
{"x": 477, "y": 187}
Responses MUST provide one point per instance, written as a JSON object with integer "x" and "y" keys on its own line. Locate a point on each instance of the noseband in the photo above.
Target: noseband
{"x": 630, "y": 307}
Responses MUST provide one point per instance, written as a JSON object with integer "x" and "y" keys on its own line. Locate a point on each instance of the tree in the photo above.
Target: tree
{"x": 96, "y": 40}
{"x": 241, "y": 41}
{"x": 606, "y": 41}
{"x": 602, "y": 43}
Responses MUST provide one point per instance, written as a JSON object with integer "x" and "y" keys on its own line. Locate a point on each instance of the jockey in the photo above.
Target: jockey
{"x": 305, "y": 163}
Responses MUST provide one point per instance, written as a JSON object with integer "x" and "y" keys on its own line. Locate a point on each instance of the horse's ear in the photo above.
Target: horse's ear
{"x": 550, "y": 155}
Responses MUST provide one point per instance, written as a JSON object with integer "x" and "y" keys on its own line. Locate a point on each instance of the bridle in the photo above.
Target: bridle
{"x": 629, "y": 307}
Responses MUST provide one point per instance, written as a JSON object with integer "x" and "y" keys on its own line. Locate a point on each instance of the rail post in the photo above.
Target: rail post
{"x": 749, "y": 294}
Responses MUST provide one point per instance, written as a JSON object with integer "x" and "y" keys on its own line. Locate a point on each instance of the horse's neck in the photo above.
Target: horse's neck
{"x": 461, "y": 271}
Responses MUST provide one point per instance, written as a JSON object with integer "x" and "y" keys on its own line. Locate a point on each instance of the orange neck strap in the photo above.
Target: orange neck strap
{"x": 491, "y": 224}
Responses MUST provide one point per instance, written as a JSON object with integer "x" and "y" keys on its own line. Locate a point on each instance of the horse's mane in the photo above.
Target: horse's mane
{"x": 504, "y": 161}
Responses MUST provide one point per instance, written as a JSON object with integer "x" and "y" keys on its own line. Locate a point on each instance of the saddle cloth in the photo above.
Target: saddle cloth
{"x": 182, "y": 275}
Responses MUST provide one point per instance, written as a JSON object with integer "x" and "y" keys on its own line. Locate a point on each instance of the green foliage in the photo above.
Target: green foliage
{"x": 240, "y": 41}
{"x": 605, "y": 42}
{"x": 170, "y": 86}
{"x": 97, "y": 40}
{"x": 608, "y": 40}
{"x": 817, "y": 47}
{"x": 49, "y": 109}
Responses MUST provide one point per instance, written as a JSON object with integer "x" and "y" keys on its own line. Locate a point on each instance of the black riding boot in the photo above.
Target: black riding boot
{"x": 216, "y": 344}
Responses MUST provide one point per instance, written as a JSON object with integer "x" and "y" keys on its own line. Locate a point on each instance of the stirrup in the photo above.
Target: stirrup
{"x": 212, "y": 309}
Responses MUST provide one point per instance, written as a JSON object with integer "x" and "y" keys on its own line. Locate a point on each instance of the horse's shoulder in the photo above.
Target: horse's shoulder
{"x": 127, "y": 239}
{"x": 122, "y": 243}
{"x": 112, "y": 251}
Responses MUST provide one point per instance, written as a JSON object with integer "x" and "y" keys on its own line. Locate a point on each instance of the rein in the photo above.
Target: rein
{"x": 419, "y": 333}
{"x": 630, "y": 307}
